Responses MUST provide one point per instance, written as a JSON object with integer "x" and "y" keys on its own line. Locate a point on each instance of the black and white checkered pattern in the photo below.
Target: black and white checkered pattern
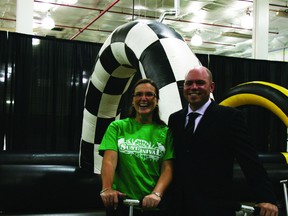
{"x": 150, "y": 47}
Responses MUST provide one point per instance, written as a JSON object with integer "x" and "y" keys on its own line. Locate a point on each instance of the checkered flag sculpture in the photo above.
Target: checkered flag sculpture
{"x": 149, "y": 47}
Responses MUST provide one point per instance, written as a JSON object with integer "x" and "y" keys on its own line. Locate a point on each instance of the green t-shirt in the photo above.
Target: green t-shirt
{"x": 141, "y": 150}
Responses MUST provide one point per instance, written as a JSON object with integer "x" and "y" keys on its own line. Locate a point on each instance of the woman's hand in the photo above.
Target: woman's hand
{"x": 151, "y": 201}
{"x": 110, "y": 197}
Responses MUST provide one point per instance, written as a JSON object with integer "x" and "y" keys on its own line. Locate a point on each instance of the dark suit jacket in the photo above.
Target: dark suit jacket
{"x": 204, "y": 160}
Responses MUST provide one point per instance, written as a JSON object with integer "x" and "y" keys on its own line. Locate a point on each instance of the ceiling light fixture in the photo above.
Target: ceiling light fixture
{"x": 48, "y": 22}
{"x": 247, "y": 20}
{"x": 196, "y": 39}
{"x": 35, "y": 41}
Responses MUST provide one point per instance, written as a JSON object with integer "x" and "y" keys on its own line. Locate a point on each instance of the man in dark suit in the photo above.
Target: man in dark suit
{"x": 205, "y": 154}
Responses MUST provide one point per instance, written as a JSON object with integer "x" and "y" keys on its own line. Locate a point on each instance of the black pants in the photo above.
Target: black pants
{"x": 123, "y": 210}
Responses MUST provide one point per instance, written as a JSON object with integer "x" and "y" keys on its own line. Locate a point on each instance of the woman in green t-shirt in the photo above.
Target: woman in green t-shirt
{"x": 137, "y": 156}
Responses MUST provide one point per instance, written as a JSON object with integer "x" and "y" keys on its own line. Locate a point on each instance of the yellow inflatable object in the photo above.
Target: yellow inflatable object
{"x": 285, "y": 154}
{"x": 268, "y": 95}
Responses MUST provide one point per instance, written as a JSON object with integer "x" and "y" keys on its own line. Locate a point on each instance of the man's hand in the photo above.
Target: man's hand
{"x": 267, "y": 209}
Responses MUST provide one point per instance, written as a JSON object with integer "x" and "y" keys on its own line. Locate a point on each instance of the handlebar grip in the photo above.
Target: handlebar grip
{"x": 247, "y": 209}
{"x": 131, "y": 202}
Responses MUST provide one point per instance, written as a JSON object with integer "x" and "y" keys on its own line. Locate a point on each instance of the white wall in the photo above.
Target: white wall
{"x": 279, "y": 55}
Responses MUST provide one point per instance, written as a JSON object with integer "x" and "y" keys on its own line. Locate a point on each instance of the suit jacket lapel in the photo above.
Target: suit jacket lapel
{"x": 183, "y": 118}
{"x": 207, "y": 118}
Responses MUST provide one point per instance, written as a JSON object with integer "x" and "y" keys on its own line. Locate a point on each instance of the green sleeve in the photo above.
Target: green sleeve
{"x": 109, "y": 140}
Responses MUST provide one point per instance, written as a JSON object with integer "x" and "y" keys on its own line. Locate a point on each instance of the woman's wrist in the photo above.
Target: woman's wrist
{"x": 157, "y": 194}
{"x": 105, "y": 189}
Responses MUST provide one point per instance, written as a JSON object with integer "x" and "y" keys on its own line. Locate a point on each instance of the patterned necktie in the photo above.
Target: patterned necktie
{"x": 191, "y": 122}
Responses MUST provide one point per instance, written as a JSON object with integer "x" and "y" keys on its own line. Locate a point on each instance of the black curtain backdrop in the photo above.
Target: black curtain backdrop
{"x": 42, "y": 92}
{"x": 42, "y": 97}
{"x": 3, "y": 85}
